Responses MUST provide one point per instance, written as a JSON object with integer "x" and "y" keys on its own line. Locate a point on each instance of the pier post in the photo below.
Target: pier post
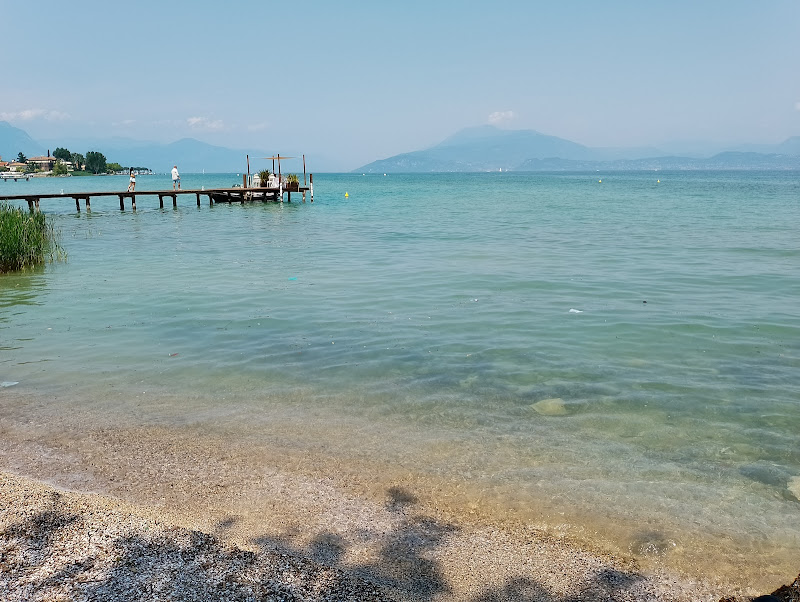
{"x": 78, "y": 204}
{"x": 121, "y": 203}
{"x": 311, "y": 186}
{"x": 30, "y": 203}
{"x": 161, "y": 201}
{"x": 174, "y": 201}
{"x": 133, "y": 201}
{"x": 88, "y": 206}
{"x": 304, "y": 196}
{"x": 37, "y": 204}
{"x": 198, "y": 199}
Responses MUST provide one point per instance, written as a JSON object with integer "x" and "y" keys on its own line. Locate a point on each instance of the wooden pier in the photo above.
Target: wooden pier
{"x": 14, "y": 175}
{"x": 215, "y": 195}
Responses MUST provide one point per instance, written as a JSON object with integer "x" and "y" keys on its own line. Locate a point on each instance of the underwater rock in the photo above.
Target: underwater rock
{"x": 550, "y": 407}
{"x": 794, "y": 486}
{"x": 766, "y": 473}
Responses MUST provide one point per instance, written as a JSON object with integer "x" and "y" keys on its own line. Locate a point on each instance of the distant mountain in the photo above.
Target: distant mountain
{"x": 190, "y": 155}
{"x": 484, "y": 148}
{"x": 790, "y": 146}
{"x": 14, "y": 141}
{"x": 720, "y": 161}
{"x": 487, "y": 148}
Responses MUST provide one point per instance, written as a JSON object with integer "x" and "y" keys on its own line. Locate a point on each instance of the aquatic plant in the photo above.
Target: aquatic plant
{"x": 26, "y": 239}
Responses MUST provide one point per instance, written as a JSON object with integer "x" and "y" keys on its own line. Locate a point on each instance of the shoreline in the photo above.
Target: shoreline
{"x": 57, "y": 542}
{"x": 412, "y": 538}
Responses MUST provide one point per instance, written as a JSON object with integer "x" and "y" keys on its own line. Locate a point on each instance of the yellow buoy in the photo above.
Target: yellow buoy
{"x": 346, "y": 195}
{"x": 658, "y": 181}
{"x": 599, "y": 181}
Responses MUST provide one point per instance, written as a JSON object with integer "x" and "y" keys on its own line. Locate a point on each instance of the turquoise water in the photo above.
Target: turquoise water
{"x": 624, "y": 351}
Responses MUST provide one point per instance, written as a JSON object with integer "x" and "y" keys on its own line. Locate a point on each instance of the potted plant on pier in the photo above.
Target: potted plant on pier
{"x": 292, "y": 183}
{"x": 263, "y": 177}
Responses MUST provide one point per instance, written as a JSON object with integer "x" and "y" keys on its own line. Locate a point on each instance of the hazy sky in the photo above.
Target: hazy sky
{"x": 365, "y": 80}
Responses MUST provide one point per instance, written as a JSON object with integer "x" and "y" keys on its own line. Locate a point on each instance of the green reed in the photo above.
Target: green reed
{"x": 26, "y": 239}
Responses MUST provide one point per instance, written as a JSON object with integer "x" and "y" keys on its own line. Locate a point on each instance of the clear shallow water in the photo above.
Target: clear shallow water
{"x": 426, "y": 321}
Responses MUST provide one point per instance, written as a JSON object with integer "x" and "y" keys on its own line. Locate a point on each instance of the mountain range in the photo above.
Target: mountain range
{"x": 192, "y": 156}
{"x": 475, "y": 149}
{"x": 488, "y": 148}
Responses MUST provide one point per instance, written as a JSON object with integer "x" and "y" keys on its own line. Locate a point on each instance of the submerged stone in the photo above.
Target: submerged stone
{"x": 794, "y": 487}
{"x": 765, "y": 473}
{"x": 550, "y": 407}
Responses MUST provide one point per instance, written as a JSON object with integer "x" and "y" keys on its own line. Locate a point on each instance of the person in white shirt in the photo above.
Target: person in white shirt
{"x": 132, "y": 185}
{"x": 176, "y": 178}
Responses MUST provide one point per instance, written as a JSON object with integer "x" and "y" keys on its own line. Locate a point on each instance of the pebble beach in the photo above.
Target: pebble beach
{"x": 62, "y": 545}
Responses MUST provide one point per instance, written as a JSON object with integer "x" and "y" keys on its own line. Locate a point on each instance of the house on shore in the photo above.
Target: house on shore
{"x": 43, "y": 163}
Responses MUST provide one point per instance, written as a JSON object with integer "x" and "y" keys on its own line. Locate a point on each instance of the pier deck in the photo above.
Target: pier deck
{"x": 215, "y": 195}
{"x": 14, "y": 175}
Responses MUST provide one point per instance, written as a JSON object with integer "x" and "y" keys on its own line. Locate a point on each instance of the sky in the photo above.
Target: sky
{"x": 356, "y": 81}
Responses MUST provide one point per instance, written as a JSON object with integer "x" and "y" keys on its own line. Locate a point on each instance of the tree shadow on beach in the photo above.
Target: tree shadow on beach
{"x": 607, "y": 586}
{"x": 403, "y": 563}
{"x": 400, "y": 562}
{"x": 55, "y": 554}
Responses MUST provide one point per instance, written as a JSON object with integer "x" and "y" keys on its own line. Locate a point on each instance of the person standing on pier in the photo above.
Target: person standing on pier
{"x": 176, "y": 178}
{"x": 132, "y": 185}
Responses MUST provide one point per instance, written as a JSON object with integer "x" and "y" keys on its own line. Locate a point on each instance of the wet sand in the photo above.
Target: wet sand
{"x": 181, "y": 512}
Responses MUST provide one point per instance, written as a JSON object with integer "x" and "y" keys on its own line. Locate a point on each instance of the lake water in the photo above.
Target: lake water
{"x": 621, "y": 354}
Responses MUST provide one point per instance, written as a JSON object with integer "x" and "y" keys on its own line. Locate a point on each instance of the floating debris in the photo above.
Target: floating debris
{"x": 576, "y": 311}
{"x": 8, "y": 383}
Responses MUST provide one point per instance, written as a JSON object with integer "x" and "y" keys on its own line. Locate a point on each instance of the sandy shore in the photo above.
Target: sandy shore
{"x": 187, "y": 513}
{"x": 61, "y": 545}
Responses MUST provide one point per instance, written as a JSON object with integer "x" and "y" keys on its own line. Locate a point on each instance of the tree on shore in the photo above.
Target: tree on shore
{"x": 96, "y": 162}
{"x": 63, "y": 154}
{"x": 21, "y": 158}
{"x": 78, "y": 160}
